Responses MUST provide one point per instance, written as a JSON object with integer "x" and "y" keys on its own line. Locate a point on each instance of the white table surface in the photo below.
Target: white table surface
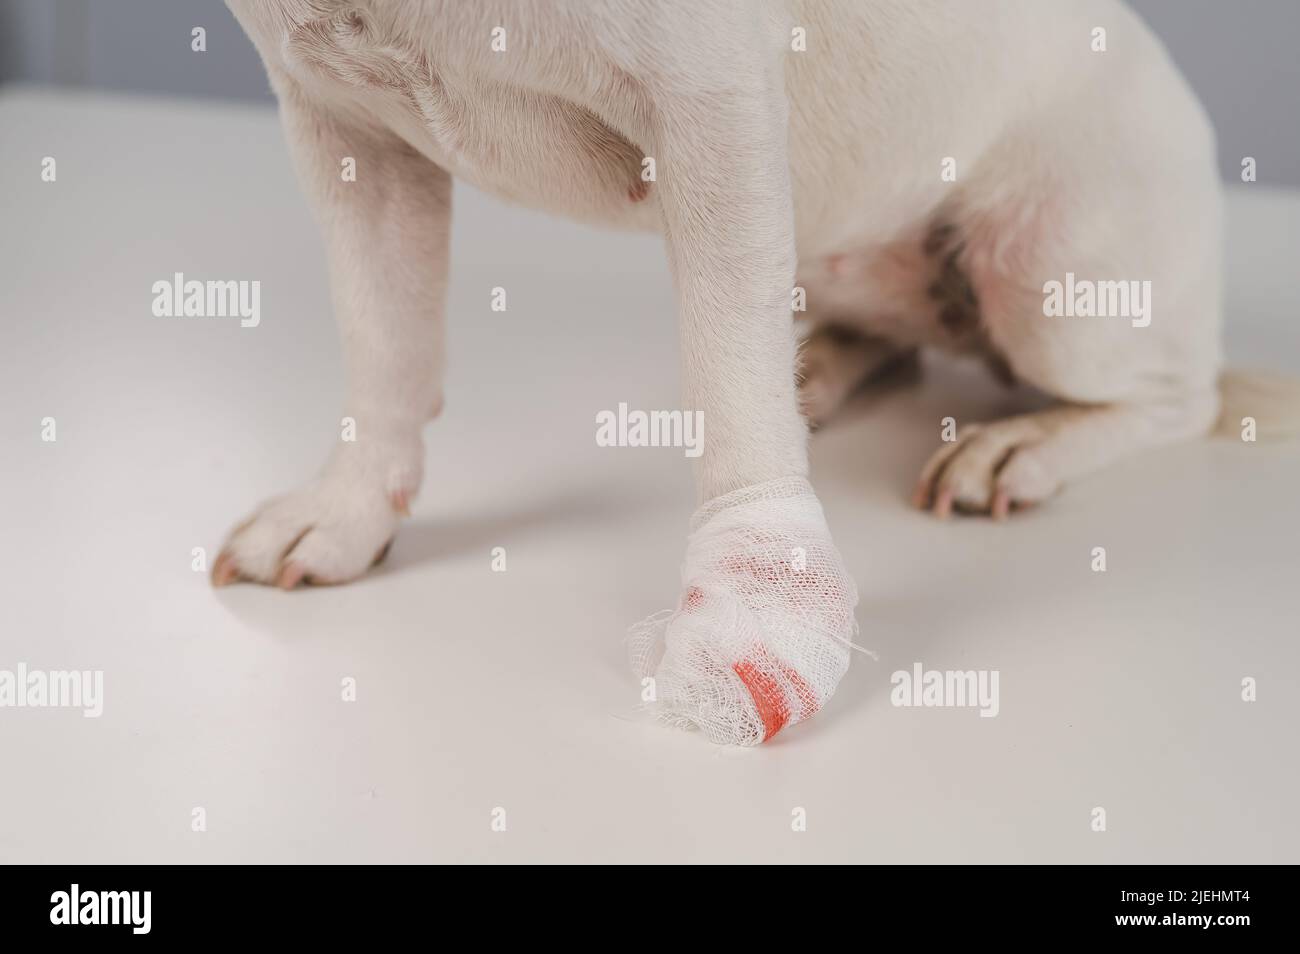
{"x": 479, "y": 690}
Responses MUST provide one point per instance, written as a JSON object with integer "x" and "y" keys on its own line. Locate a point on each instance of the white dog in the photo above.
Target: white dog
{"x": 944, "y": 169}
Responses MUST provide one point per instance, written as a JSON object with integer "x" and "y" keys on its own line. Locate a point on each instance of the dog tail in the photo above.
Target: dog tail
{"x": 1270, "y": 399}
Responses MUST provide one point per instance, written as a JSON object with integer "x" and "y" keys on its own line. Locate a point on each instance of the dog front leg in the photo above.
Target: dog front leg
{"x": 760, "y": 638}
{"x": 386, "y": 233}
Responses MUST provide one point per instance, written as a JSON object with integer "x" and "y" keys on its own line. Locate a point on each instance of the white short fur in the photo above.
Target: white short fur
{"x": 774, "y": 168}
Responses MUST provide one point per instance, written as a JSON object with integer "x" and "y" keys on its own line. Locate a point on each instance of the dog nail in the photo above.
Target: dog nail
{"x": 290, "y": 576}
{"x": 224, "y": 571}
{"x": 943, "y": 504}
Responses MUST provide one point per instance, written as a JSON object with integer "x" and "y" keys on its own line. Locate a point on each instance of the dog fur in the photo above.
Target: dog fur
{"x": 775, "y": 168}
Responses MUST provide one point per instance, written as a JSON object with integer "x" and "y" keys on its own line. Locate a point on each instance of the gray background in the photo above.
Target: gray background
{"x": 1241, "y": 55}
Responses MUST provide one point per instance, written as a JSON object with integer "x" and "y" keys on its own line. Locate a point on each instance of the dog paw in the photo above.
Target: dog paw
{"x": 836, "y": 363}
{"x": 990, "y": 469}
{"x": 825, "y": 378}
{"x": 761, "y": 637}
{"x": 331, "y": 530}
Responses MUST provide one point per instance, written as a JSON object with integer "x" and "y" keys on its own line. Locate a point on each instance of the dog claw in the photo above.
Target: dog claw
{"x": 401, "y": 502}
{"x": 224, "y": 571}
{"x": 290, "y": 576}
{"x": 943, "y": 503}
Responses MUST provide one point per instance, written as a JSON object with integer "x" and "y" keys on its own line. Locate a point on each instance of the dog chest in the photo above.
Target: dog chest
{"x": 520, "y": 144}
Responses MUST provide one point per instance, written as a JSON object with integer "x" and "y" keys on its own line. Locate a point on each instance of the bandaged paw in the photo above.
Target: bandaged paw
{"x": 762, "y": 636}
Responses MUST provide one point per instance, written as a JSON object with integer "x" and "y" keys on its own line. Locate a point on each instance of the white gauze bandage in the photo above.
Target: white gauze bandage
{"x": 762, "y": 635}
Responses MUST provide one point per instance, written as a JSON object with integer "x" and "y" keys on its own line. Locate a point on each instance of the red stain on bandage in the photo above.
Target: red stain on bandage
{"x": 758, "y": 673}
{"x": 769, "y": 700}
